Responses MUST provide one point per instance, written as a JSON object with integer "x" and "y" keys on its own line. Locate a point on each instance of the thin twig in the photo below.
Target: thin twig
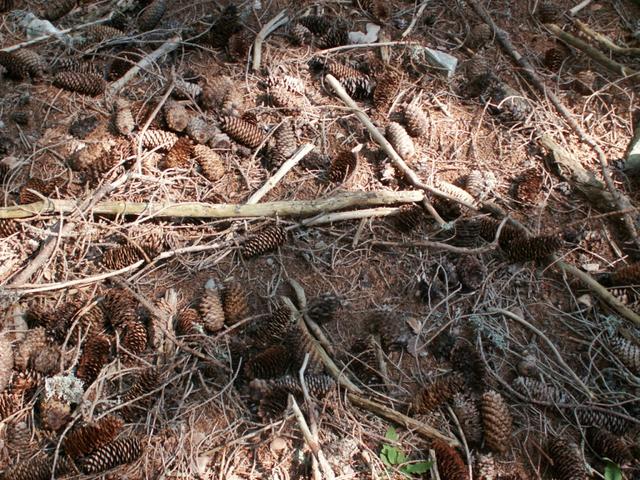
{"x": 275, "y": 23}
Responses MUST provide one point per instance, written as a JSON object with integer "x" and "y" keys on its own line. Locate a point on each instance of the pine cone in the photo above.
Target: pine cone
{"x": 336, "y": 36}
{"x": 34, "y": 341}
{"x": 84, "y": 83}
{"x": 285, "y": 139}
{"x": 74, "y": 65}
{"x": 441, "y": 391}
{"x": 176, "y": 116}
{"x": 322, "y": 309}
{"x": 211, "y": 311}
{"x": 151, "y": 16}
{"x": 58, "y": 9}
{"x": 25, "y": 384}
{"x": 283, "y": 100}
{"x": 6, "y": 5}
{"x": 122, "y": 64}
{"x": 38, "y": 468}
{"x": 319, "y": 386}
{"x": 538, "y": 391}
{"x": 548, "y": 12}
{"x": 9, "y": 404}
{"x": 624, "y": 276}
{"x": 25, "y": 196}
{"x": 524, "y": 249}
{"x": 120, "y": 306}
{"x": 8, "y": 227}
{"x": 123, "y": 118}
{"x": 584, "y": 82}
{"x": 466, "y": 232}
{"x": 55, "y": 413}
{"x": 485, "y": 468}
{"x": 101, "y": 33}
{"x": 158, "y": 139}
{"x": 264, "y": 241}
{"x": 479, "y": 184}
{"x": 594, "y": 418}
{"x": 95, "y": 355}
{"x": 555, "y": 57}
{"x": 91, "y": 437}
{"x": 23, "y": 64}
{"x": 299, "y": 34}
{"x": 451, "y": 466}
{"x": 147, "y": 382}
{"x": 210, "y": 163}
{"x": 567, "y": 462}
{"x": 317, "y": 24}
{"x": 239, "y": 45}
{"x": 134, "y": 340}
{"x": 286, "y": 82}
{"x": 178, "y": 156}
{"x": 469, "y": 417}
{"x": 409, "y": 217}
{"x": 400, "y": 140}
{"x": 358, "y": 88}
{"x": 214, "y": 93}
{"x": 234, "y": 303}
{"x": 415, "y": 120}
{"x": 270, "y": 363}
{"x": 454, "y": 191}
{"x": 187, "y": 322}
{"x": 300, "y": 343}
{"x": 627, "y": 352}
{"x": 241, "y": 131}
{"x": 479, "y": 36}
{"x": 22, "y": 117}
{"x": 47, "y": 360}
{"x": 343, "y": 164}
{"x": 496, "y": 420}
{"x": 119, "y": 452}
{"x": 19, "y": 439}
{"x": 364, "y": 362}
{"x": 199, "y": 130}
{"x": 224, "y": 27}
{"x": 387, "y": 88}
{"x": 121, "y": 257}
{"x": 471, "y": 272}
{"x": 275, "y": 328}
{"x": 186, "y": 90}
{"x": 378, "y": 9}
{"x": 607, "y": 445}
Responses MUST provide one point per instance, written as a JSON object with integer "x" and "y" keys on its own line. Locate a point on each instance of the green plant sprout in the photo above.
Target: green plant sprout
{"x": 394, "y": 458}
{"x": 612, "y": 471}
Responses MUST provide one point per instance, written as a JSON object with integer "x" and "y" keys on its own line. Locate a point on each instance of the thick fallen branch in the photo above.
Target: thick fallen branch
{"x": 223, "y": 210}
{"x": 605, "y": 41}
{"x": 590, "y": 51}
{"x": 503, "y": 38}
{"x": 143, "y": 64}
{"x": 275, "y": 23}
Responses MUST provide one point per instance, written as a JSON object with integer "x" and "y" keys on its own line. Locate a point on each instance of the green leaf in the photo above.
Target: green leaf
{"x": 418, "y": 467}
{"x": 401, "y": 458}
{"x": 612, "y": 472}
{"x": 391, "y": 434}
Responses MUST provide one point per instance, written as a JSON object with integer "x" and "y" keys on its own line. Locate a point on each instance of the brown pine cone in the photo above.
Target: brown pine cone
{"x": 555, "y": 57}
{"x": 270, "y": 363}
{"x": 496, "y": 420}
{"x": 101, "y": 33}
{"x": 55, "y": 413}
{"x": 25, "y": 196}
{"x": 151, "y": 15}
{"x": 594, "y": 418}
{"x": 210, "y": 163}
{"x": 118, "y": 452}
{"x": 386, "y": 89}
{"x": 8, "y": 227}
{"x": 479, "y": 36}
{"x": 89, "y": 438}
{"x": 548, "y": 12}
{"x": 409, "y": 217}
{"x": 451, "y": 466}
{"x": 523, "y": 249}
{"x": 485, "y": 468}
{"x": 471, "y": 272}
{"x": 10, "y": 403}
{"x": 186, "y": 90}
{"x": 415, "y": 120}
{"x": 200, "y": 130}
{"x": 234, "y": 303}
{"x": 317, "y": 24}
{"x": 625, "y": 276}
{"x": 6, "y": 5}
{"x": 378, "y": 9}
{"x": 538, "y": 391}
{"x": 158, "y": 139}
{"x": 275, "y": 328}
{"x": 322, "y": 309}
{"x": 454, "y": 191}
{"x": 15, "y": 69}
{"x": 319, "y": 386}
{"x": 84, "y": 83}
{"x": 264, "y": 241}
{"x": 58, "y": 9}
{"x": 285, "y": 139}
{"x": 178, "y": 156}
{"x": 121, "y": 257}
{"x": 469, "y": 417}
{"x": 466, "y": 232}
{"x": 567, "y": 461}
{"x": 242, "y": 131}
{"x": 123, "y": 118}
{"x": 343, "y": 165}
{"x": 122, "y": 64}
{"x": 38, "y": 468}
{"x": 19, "y": 439}
{"x": 336, "y": 36}
{"x": 627, "y": 352}
{"x": 135, "y": 339}
{"x": 224, "y": 27}
{"x": 607, "y": 445}
{"x": 120, "y": 306}
{"x": 301, "y": 343}
{"x": 187, "y": 322}
{"x": 176, "y": 116}
{"x": 480, "y": 183}
{"x": 282, "y": 99}
{"x": 30, "y": 62}
{"x": 211, "y": 311}
{"x": 287, "y": 82}
{"x": 95, "y": 355}
{"x": 400, "y": 140}
{"x": 584, "y": 82}
{"x": 74, "y": 65}
{"x": 441, "y": 391}
{"x": 299, "y": 34}
{"x": 135, "y": 399}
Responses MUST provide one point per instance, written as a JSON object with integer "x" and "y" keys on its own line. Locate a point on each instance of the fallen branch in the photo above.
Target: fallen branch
{"x": 605, "y": 41}
{"x": 549, "y": 343}
{"x": 143, "y": 64}
{"x": 224, "y": 210}
{"x": 351, "y": 215}
{"x": 530, "y": 72}
{"x": 275, "y": 23}
{"x": 590, "y": 51}
{"x": 282, "y": 171}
